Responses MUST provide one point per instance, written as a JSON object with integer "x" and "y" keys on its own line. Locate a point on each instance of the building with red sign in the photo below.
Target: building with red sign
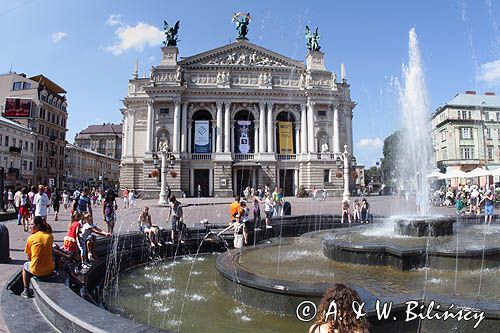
{"x": 40, "y": 105}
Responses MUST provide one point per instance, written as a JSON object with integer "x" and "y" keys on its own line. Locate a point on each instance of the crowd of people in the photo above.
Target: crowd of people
{"x": 468, "y": 200}
{"x": 77, "y": 253}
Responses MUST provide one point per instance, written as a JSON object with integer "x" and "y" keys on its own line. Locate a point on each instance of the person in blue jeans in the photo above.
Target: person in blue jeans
{"x": 488, "y": 206}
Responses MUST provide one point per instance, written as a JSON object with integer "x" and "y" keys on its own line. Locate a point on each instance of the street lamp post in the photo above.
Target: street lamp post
{"x": 345, "y": 161}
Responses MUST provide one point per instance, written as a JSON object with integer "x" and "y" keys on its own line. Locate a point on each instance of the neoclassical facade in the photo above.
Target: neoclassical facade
{"x": 235, "y": 116}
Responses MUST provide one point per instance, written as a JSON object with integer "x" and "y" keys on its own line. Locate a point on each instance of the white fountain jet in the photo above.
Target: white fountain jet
{"x": 415, "y": 152}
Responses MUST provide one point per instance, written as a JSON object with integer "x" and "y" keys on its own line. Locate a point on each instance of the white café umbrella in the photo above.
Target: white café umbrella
{"x": 435, "y": 174}
{"x": 453, "y": 174}
{"x": 495, "y": 172}
{"x": 478, "y": 172}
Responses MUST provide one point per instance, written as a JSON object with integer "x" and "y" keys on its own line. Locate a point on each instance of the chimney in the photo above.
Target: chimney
{"x": 489, "y": 93}
{"x": 470, "y": 92}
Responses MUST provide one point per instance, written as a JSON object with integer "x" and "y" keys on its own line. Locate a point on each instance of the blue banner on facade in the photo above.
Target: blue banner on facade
{"x": 201, "y": 136}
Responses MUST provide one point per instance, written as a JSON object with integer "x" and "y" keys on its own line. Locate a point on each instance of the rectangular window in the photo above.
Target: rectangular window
{"x": 487, "y": 116}
{"x": 490, "y": 153}
{"x": 26, "y": 146}
{"x": 466, "y": 133}
{"x": 164, "y": 110}
{"x": 444, "y": 153}
{"x": 443, "y": 135}
{"x": 26, "y": 85}
{"x": 17, "y": 85}
{"x": 6, "y": 140}
{"x": 322, "y": 113}
{"x": 326, "y": 175}
{"x": 31, "y": 147}
{"x": 487, "y": 133}
{"x": 13, "y": 142}
{"x": 467, "y": 152}
{"x": 31, "y": 166}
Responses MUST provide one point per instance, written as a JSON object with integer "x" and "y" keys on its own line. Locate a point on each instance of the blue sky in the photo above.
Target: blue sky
{"x": 89, "y": 48}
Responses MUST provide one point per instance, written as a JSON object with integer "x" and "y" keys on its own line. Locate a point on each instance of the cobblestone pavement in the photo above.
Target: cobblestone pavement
{"x": 195, "y": 210}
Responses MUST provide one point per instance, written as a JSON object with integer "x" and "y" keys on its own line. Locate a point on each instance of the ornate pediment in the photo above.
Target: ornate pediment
{"x": 241, "y": 54}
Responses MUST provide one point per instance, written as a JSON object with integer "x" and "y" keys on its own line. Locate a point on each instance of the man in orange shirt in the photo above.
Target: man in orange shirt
{"x": 234, "y": 208}
{"x": 39, "y": 250}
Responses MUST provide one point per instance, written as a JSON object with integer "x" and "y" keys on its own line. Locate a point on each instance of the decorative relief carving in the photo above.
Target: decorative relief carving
{"x": 223, "y": 79}
{"x": 243, "y": 57}
{"x": 173, "y": 77}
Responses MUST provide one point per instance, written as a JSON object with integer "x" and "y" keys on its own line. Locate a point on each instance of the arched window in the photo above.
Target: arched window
{"x": 244, "y": 141}
{"x": 201, "y": 135}
{"x": 285, "y": 138}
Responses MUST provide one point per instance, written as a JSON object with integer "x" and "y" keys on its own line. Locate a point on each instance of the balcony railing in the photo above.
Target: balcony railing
{"x": 287, "y": 157}
{"x": 244, "y": 157}
{"x": 200, "y": 156}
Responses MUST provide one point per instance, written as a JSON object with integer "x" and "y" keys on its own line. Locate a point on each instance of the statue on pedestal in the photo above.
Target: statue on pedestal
{"x": 324, "y": 146}
{"x": 312, "y": 39}
{"x": 242, "y": 21}
{"x": 164, "y": 147}
{"x": 170, "y": 34}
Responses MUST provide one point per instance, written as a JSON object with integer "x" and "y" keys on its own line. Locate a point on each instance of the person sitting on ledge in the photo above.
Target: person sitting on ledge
{"x": 346, "y": 211}
{"x": 39, "y": 251}
{"x": 147, "y": 227}
{"x": 344, "y": 320}
{"x": 86, "y": 240}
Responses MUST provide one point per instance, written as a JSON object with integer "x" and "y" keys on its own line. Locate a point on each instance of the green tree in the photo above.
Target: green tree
{"x": 391, "y": 162}
{"x": 373, "y": 174}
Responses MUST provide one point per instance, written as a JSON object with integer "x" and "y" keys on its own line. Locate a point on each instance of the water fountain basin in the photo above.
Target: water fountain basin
{"x": 424, "y": 226}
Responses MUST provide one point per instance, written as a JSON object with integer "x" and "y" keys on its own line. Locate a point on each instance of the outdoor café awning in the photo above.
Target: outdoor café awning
{"x": 453, "y": 174}
{"x": 478, "y": 172}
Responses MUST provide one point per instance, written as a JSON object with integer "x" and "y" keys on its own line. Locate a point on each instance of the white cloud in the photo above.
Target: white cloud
{"x": 368, "y": 143}
{"x": 151, "y": 58}
{"x": 490, "y": 72}
{"x": 57, "y": 36}
{"x": 114, "y": 19}
{"x": 136, "y": 37}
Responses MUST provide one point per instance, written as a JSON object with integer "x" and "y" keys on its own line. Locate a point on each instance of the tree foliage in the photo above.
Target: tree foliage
{"x": 390, "y": 166}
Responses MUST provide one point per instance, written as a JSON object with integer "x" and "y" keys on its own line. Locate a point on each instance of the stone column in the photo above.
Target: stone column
{"x": 348, "y": 124}
{"x": 131, "y": 133}
{"x": 262, "y": 127}
{"x": 177, "y": 125}
{"x": 125, "y": 139}
{"x": 149, "y": 127}
{"x": 310, "y": 127}
{"x": 184, "y": 134}
{"x": 303, "y": 129}
{"x": 336, "y": 130}
{"x": 270, "y": 131}
{"x": 255, "y": 137}
{"x": 227, "y": 127}
{"x": 218, "y": 144}
{"x": 297, "y": 137}
{"x": 189, "y": 138}
{"x": 213, "y": 142}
